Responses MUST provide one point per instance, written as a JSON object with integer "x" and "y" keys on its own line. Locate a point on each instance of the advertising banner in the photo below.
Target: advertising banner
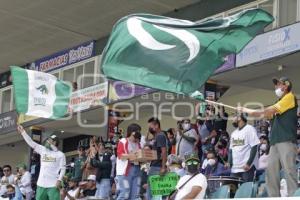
{"x": 271, "y": 44}
{"x": 228, "y": 65}
{"x": 88, "y": 97}
{"x": 65, "y": 57}
{"x": 8, "y": 122}
{"x": 120, "y": 90}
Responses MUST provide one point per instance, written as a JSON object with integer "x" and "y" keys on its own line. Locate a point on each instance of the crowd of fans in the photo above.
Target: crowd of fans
{"x": 196, "y": 152}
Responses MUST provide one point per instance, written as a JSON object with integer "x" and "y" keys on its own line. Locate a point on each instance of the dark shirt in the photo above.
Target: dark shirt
{"x": 77, "y": 171}
{"x": 217, "y": 170}
{"x": 89, "y": 193}
{"x": 104, "y": 166}
{"x": 160, "y": 141}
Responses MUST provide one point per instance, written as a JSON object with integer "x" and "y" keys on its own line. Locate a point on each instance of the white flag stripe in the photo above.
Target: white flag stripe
{"x": 41, "y": 99}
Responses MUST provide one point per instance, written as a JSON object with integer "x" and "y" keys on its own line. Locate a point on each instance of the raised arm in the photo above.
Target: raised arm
{"x": 37, "y": 147}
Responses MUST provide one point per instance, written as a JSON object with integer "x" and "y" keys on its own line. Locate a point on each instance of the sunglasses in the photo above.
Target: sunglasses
{"x": 192, "y": 162}
{"x": 6, "y": 170}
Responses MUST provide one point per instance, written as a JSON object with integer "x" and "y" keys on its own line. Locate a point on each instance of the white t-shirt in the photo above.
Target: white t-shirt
{"x": 198, "y": 180}
{"x": 25, "y": 183}
{"x": 53, "y": 163}
{"x": 263, "y": 161}
{"x": 5, "y": 181}
{"x": 241, "y": 142}
{"x": 72, "y": 193}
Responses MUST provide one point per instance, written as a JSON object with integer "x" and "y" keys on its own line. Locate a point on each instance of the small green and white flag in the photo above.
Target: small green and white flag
{"x": 40, "y": 94}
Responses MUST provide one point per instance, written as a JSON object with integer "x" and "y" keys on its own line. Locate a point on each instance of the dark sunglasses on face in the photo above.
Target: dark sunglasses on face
{"x": 6, "y": 170}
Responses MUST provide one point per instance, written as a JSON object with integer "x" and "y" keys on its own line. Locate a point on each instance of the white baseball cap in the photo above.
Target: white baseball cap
{"x": 91, "y": 178}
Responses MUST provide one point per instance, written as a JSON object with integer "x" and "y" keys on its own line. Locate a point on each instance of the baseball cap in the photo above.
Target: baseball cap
{"x": 173, "y": 159}
{"x": 22, "y": 165}
{"x": 91, "y": 178}
{"x": 191, "y": 156}
{"x": 283, "y": 80}
{"x": 54, "y": 138}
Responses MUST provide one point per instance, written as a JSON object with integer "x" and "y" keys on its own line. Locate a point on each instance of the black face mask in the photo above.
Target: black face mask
{"x": 235, "y": 124}
{"x": 151, "y": 130}
{"x": 192, "y": 169}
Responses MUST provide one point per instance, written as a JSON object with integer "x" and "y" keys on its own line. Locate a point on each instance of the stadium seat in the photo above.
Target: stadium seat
{"x": 297, "y": 193}
{"x": 221, "y": 193}
{"x": 264, "y": 192}
{"x": 262, "y": 178}
{"x": 246, "y": 190}
{"x": 255, "y": 189}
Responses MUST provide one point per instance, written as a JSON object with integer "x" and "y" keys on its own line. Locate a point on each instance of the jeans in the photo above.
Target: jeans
{"x": 128, "y": 187}
{"x": 247, "y": 176}
{"x": 103, "y": 189}
{"x": 153, "y": 171}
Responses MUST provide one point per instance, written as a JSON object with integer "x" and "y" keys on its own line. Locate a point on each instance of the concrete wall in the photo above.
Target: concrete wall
{"x": 13, "y": 154}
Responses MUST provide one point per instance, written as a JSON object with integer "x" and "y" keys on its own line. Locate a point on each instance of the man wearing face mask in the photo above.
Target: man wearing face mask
{"x": 186, "y": 139}
{"x": 214, "y": 167}
{"x": 194, "y": 184}
{"x": 160, "y": 145}
{"x": 243, "y": 149}
{"x": 283, "y": 137}
{"x": 53, "y": 166}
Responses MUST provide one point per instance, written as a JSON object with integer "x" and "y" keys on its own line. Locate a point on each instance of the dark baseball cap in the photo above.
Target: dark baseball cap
{"x": 284, "y": 81}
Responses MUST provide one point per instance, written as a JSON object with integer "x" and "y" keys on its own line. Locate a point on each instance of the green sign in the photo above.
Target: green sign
{"x": 163, "y": 185}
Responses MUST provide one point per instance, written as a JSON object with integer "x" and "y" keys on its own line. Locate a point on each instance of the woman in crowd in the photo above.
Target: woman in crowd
{"x": 128, "y": 178}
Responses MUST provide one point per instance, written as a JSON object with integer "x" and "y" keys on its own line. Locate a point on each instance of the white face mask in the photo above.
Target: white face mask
{"x": 263, "y": 147}
{"x": 186, "y": 126}
{"x": 211, "y": 162}
{"x": 279, "y": 92}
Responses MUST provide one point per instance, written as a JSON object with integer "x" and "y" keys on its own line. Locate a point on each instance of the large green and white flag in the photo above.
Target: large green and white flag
{"x": 176, "y": 55}
{"x": 40, "y": 94}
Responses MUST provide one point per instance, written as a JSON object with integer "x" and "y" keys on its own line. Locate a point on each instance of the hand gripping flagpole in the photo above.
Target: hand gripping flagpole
{"x": 200, "y": 97}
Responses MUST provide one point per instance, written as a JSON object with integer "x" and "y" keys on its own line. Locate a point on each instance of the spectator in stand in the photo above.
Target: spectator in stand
{"x": 87, "y": 188}
{"x": 70, "y": 192}
{"x": 172, "y": 139}
{"x": 221, "y": 119}
{"x": 79, "y": 163}
{"x": 243, "y": 149}
{"x": 160, "y": 145}
{"x": 128, "y": 177}
{"x": 102, "y": 162}
{"x": 95, "y": 147}
{"x": 263, "y": 155}
{"x": 7, "y": 179}
{"x": 195, "y": 182}
{"x": 174, "y": 164}
{"x": 13, "y": 192}
{"x": 186, "y": 139}
{"x": 222, "y": 150}
{"x": 24, "y": 183}
{"x": 214, "y": 167}
{"x": 53, "y": 166}
{"x": 207, "y": 133}
{"x": 283, "y": 137}
{"x": 1, "y": 172}
{"x": 35, "y": 170}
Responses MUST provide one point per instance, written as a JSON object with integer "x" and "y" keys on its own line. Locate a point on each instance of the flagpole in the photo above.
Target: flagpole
{"x": 220, "y": 104}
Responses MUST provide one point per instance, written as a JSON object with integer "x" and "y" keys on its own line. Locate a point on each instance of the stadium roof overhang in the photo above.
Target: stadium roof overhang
{"x": 254, "y": 82}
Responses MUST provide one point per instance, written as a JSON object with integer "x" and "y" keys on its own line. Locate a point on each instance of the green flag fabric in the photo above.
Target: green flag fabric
{"x": 40, "y": 94}
{"x": 176, "y": 55}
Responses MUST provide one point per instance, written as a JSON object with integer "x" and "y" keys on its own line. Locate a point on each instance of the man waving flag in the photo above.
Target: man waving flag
{"x": 176, "y": 55}
{"x": 40, "y": 94}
